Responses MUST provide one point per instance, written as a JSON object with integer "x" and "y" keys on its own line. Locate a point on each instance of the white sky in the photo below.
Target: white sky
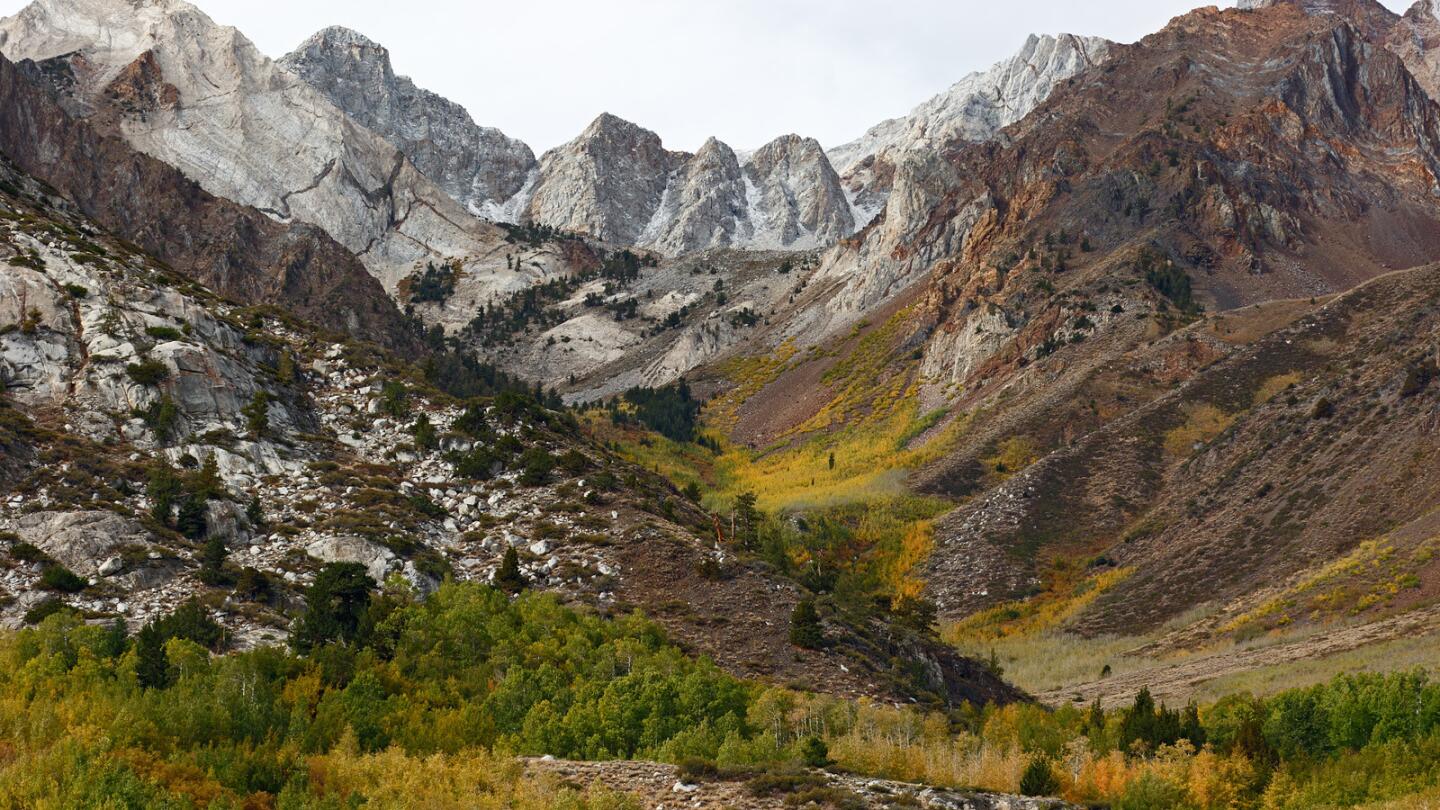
{"x": 742, "y": 70}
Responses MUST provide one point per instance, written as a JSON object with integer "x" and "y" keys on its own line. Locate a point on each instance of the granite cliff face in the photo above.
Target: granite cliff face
{"x": 236, "y": 250}
{"x": 606, "y": 183}
{"x": 614, "y": 182}
{"x": 479, "y": 166}
{"x": 199, "y": 96}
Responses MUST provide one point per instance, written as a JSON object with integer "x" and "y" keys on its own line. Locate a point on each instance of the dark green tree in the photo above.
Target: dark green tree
{"x": 395, "y": 399}
{"x": 1190, "y": 727}
{"x": 257, "y": 414}
{"x": 805, "y": 629}
{"x": 192, "y": 622}
{"x": 1038, "y": 779}
{"x": 191, "y": 520}
{"x": 212, "y": 562}
{"x": 164, "y": 490}
{"x": 206, "y": 482}
{"x": 747, "y": 520}
{"x": 255, "y": 513}
{"x": 508, "y": 577}
{"x": 1147, "y": 724}
{"x": 335, "y": 607}
{"x": 152, "y": 666}
{"x": 424, "y": 432}
{"x": 815, "y": 753}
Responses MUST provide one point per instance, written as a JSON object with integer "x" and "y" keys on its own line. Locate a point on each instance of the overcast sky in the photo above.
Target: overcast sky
{"x": 743, "y": 70}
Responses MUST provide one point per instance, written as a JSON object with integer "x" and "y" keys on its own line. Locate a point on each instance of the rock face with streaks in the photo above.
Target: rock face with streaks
{"x": 479, "y": 166}
{"x": 199, "y": 96}
{"x": 1416, "y": 39}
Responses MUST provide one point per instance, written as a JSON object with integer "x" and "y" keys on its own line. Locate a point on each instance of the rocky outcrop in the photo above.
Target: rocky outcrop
{"x": 232, "y": 248}
{"x": 973, "y": 109}
{"x": 87, "y": 543}
{"x": 796, "y": 196}
{"x": 704, "y": 205}
{"x": 479, "y": 166}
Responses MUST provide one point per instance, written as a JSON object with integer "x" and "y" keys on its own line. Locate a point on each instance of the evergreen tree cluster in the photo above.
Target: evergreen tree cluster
{"x": 669, "y": 410}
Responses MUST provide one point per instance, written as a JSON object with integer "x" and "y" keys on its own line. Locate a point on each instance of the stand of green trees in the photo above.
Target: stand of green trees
{"x": 377, "y": 685}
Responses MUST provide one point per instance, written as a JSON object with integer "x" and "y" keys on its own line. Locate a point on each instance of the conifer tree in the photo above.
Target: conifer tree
{"x": 152, "y": 667}
{"x": 805, "y": 629}
{"x": 212, "y": 562}
{"x": 508, "y": 577}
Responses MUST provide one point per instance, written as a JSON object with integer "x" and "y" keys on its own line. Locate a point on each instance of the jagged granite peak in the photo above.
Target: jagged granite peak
{"x": 250, "y": 131}
{"x": 797, "y": 199}
{"x": 618, "y": 183}
{"x": 703, "y": 206}
{"x": 481, "y": 167}
{"x": 973, "y": 109}
{"x": 607, "y": 182}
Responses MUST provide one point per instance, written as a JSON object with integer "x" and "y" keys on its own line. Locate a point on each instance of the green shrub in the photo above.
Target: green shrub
{"x": 1039, "y": 778}
{"x": 805, "y": 629}
{"x": 45, "y": 609}
{"x": 148, "y": 372}
{"x": 28, "y": 553}
{"x": 164, "y": 332}
{"x": 57, "y": 577}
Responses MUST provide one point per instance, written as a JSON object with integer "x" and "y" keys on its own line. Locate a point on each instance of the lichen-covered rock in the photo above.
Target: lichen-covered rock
{"x": 82, "y": 541}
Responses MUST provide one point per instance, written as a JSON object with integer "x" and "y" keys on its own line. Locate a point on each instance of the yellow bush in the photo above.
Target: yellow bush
{"x": 1203, "y": 422}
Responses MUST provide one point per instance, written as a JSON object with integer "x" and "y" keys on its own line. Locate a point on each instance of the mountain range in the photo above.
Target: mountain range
{"x": 1112, "y": 366}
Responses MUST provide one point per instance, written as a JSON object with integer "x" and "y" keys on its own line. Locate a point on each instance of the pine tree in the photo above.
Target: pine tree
{"x": 152, "y": 667}
{"x": 335, "y": 607}
{"x": 164, "y": 489}
{"x": 257, "y": 414}
{"x": 212, "y": 562}
{"x": 747, "y": 520}
{"x": 815, "y": 753}
{"x": 206, "y": 483}
{"x": 508, "y": 577}
{"x": 191, "y": 520}
{"x": 425, "y": 437}
{"x": 1039, "y": 779}
{"x": 805, "y": 629}
{"x": 255, "y": 513}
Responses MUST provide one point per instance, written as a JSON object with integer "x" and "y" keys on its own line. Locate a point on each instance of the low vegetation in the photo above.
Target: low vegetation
{"x": 425, "y": 702}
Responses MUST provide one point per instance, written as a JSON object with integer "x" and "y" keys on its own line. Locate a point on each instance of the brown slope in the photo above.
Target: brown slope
{"x": 1343, "y": 455}
{"x": 233, "y": 249}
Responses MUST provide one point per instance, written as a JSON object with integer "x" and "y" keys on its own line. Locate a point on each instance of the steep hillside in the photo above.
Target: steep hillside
{"x": 151, "y": 427}
{"x": 1052, "y": 329}
{"x": 213, "y": 241}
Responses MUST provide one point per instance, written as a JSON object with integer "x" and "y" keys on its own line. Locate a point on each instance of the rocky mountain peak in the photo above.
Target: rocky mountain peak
{"x": 607, "y": 182}
{"x": 479, "y": 167}
{"x": 973, "y": 109}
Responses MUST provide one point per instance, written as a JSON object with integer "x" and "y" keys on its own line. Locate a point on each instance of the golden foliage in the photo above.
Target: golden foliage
{"x": 1203, "y": 422}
